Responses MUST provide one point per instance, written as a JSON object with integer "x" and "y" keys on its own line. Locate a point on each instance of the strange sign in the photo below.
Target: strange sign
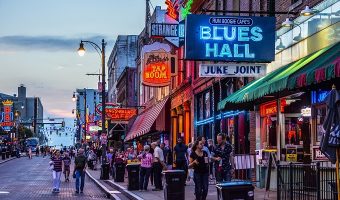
{"x": 224, "y": 38}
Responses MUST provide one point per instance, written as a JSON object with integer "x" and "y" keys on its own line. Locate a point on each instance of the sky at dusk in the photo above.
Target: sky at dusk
{"x": 39, "y": 39}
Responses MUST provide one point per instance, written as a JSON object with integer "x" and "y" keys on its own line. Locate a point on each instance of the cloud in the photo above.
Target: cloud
{"x": 60, "y": 67}
{"x": 50, "y": 43}
{"x": 60, "y": 113}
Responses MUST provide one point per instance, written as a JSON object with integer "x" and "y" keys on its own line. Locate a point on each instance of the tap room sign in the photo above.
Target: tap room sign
{"x": 224, "y": 38}
{"x": 232, "y": 70}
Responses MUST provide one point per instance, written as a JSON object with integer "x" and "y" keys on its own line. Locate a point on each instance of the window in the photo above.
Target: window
{"x": 320, "y": 113}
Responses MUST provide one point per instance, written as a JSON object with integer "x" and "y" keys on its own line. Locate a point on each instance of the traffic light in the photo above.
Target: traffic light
{"x": 63, "y": 123}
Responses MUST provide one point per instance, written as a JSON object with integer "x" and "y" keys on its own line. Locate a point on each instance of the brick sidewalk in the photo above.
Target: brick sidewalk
{"x": 189, "y": 190}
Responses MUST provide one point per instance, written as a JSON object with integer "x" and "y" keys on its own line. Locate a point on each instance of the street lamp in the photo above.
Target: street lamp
{"x": 101, "y": 51}
{"x": 74, "y": 98}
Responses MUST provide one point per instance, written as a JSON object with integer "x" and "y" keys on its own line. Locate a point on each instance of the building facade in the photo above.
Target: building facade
{"x": 122, "y": 55}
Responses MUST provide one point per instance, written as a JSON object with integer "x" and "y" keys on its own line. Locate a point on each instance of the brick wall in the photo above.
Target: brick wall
{"x": 252, "y": 131}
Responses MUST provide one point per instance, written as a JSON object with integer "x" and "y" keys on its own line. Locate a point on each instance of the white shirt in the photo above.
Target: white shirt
{"x": 158, "y": 153}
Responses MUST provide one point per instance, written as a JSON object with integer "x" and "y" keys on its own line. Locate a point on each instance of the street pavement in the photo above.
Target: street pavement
{"x": 260, "y": 194}
{"x": 31, "y": 179}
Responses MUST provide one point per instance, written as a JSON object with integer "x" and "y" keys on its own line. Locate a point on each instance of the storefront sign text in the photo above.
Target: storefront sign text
{"x": 318, "y": 155}
{"x": 230, "y": 38}
{"x": 306, "y": 112}
{"x": 232, "y": 70}
{"x": 120, "y": 114}
{"x": 271, "y": 108}
{"x": 7, "y": 117}
{"x": 164, "y": 30}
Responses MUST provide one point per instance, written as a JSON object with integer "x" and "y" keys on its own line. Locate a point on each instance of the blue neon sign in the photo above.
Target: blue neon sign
{"x": 223, "y": 38}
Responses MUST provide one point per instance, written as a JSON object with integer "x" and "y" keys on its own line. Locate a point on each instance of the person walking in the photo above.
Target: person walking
{"x": 67, "y": 163}
{"x": 222, "y": 155}
{"x": 145, "y": 168}
{"x": 37, "y": 149}
{"x": 57, "y": 169}
{"x": 79, "y": 170}
{"x": 181, "y": 156}
{"x": 190, "y": 175}
{"x": 211, "y": 148}
{"x": 199, "y": 161}
{"x": 29, "y": 152}
{"x": 158, "y": 164}
{"x": 99, "y": 154}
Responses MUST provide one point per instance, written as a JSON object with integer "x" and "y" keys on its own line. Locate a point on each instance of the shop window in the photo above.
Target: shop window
{"x": 207, "y": 104}
{"x": 293, "y": 135}
{"x": 320, "y": 113}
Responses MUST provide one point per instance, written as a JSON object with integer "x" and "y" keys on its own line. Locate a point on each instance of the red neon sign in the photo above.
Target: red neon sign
{"x": 120, "y": 114}
{"x": 156, "y": 70}
{"x": 171, "y": 10}
{"x": 271, "y": 108}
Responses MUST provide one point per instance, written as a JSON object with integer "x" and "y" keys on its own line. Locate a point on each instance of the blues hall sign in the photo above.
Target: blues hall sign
{"x": 223, "y": 38}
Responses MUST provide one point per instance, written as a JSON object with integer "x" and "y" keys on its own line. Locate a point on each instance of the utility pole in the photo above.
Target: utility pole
{"x": 85, "y": 110}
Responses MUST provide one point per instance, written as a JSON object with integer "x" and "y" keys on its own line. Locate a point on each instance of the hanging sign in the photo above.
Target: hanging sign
{"x": 230, "y": 38}
{"x": 7, "y": 116}
{"x": 306, "y": 112}
{"x": 120, "y": 114}
{"x": 232, "y": 70}
{"x": 157, "y": 68}
{"x": 164, "y": 30}
{"x": 171, "y": 10}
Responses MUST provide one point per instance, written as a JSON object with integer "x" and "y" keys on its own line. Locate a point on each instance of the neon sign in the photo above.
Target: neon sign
{"x": 171, "y": 10}
{"x": 157, "y": 68}
{"x": 120, "y": 114}
{"x": 219, "y": 38}
{"x": 186, "y": 9}
{"x": 6, "y": 121}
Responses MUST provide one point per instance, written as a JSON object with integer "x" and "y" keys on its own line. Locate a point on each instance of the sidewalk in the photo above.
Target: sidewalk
{"x": 189, "y": 190}
{"x": 7, "y": 159}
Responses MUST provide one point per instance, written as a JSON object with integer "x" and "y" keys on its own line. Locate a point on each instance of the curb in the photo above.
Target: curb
{"x": 8, "y": 159}
{"x": 123, "y": 190}
{"x": 109, "y": 194}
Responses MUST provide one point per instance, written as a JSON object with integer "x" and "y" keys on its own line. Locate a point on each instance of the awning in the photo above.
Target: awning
{"x": 145, "y": 120}
{"x": 277, "y": 80}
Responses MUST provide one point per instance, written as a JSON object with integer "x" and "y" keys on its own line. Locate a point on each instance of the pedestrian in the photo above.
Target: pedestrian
{"x": 199, "y": 161}
{"x": 181, "y": 156}
{"x": 67, "y": 163}
{"x": 110, "y": 159}
{"x": 158, "y": 164}
{"x": 167, "y": 155}
{"x": 99, "y": 154}
{"x": 79, "y": 170}
{"x": 190, "y": 170}
{"x": 37, "y": 150}
{"x": 29, "y": 152}
{"x": 145, "y": 168}
{"x": 222, "y": 155}
{"x": 57, "y": 169}
{"x": 211, "y": 148}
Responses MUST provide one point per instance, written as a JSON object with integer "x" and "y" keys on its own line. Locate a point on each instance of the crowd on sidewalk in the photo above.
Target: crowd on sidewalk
{"x": 202, "y": 161}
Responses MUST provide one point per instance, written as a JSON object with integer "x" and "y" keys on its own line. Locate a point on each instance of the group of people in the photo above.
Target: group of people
{"x": 61, "y": 163}
{"x": 201, "y": 161}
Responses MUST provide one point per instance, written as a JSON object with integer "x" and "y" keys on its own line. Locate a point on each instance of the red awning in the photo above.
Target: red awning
{"x": 145, "y": 120}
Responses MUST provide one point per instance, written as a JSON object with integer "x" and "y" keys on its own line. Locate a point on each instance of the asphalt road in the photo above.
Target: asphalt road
{"x": 31, "y": 179}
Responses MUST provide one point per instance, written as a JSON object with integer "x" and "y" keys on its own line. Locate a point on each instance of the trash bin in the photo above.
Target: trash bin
{"x": 105, "y": 171}
{"x": 174, "y": 187}
{"x": 133, "y": 176}
{"x": 235, "y": 190}
{"x": 119, "y": 172}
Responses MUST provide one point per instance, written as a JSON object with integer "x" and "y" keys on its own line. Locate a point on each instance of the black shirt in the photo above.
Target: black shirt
{"x": 202, "y": 167}
{"x": 180, "y": 150}
{"x": 225, "y": 155}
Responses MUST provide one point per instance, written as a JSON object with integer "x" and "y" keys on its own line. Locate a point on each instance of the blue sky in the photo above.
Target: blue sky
{"x": 39, "y": 38}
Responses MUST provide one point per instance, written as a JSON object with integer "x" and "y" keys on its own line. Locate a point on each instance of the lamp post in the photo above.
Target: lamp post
{"x": 101, "y": 51}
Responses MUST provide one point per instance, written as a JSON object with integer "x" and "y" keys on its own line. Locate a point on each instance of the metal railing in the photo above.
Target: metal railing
{"x": 306, "y": 181}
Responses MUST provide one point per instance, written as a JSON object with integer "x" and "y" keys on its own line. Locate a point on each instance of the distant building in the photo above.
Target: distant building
{"x": 93, "y": 98}
{"x": 126, "y": 88}
{"x": 123, "y": 54}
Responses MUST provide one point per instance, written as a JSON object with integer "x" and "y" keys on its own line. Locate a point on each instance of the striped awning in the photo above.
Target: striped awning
{"x": 145, "y": 120}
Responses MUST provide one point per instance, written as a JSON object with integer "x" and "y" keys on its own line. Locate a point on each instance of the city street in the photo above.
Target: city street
{"x": 31, "y": 179}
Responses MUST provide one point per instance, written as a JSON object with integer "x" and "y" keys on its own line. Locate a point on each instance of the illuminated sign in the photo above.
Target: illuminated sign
{"x": 7, "y": 117}
{"x": 232, "y": 70}
{"x": 306, "y": 112}
{"x": 223, "y": 38}
{"x": 120, "y": 114}
{"x": 319, "y": 96}
{"x": 171, "y": 11}
{"x": 186, "y": 10}
{"x": 318, "y": 155}
{"x": 271, "y": 108}
{"x": 164, "y": 30}
{"x": 95, "y": 128}
{"x": 157, "y": 68}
